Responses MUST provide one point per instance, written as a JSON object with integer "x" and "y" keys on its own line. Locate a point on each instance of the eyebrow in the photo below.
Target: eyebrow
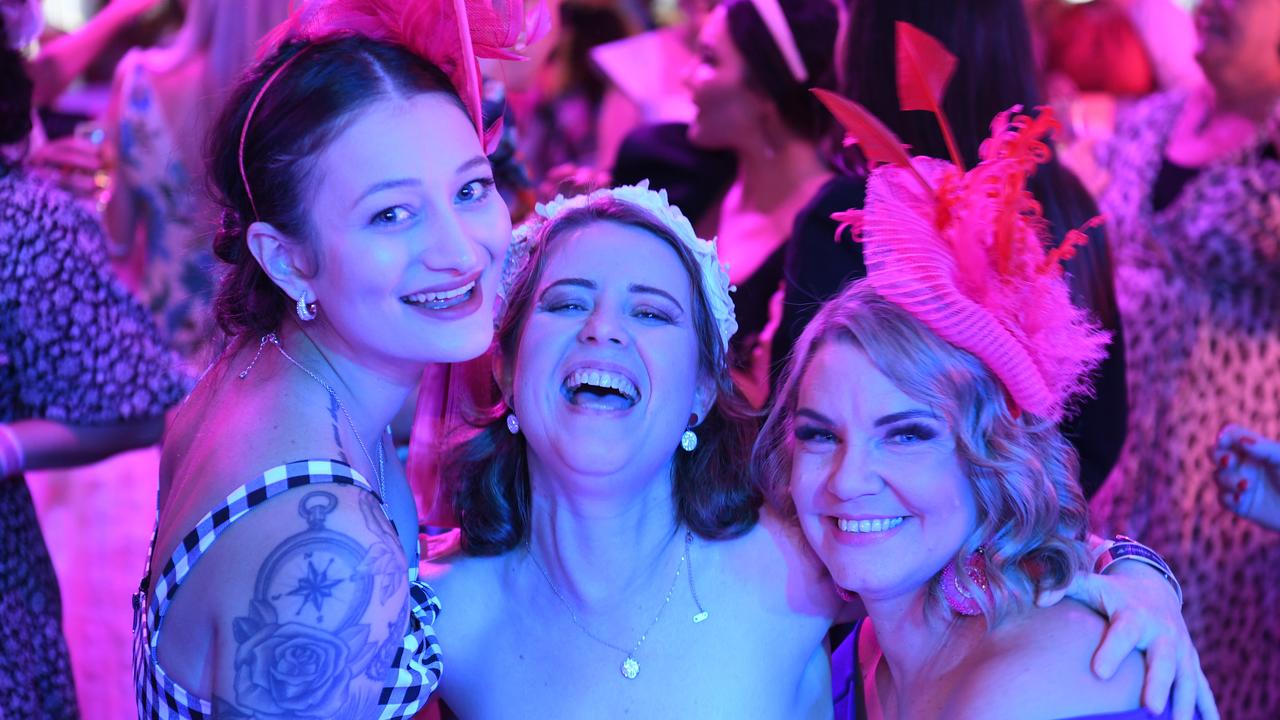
{"x": 650, "y": 290}
{"x": 386, "y": 185}
{"x": 814, "y": 415}
{"x": 886, "y": 420}
{"x": 905, "y": 415}
{"x": 477, "y": 161}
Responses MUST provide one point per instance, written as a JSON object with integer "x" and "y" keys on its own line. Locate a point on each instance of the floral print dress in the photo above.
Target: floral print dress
{"x": 75, "y": 348}
{"x": 1198, "y": 284}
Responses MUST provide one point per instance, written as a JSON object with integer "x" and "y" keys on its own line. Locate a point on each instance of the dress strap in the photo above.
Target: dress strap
{"x": 269, "y": 484}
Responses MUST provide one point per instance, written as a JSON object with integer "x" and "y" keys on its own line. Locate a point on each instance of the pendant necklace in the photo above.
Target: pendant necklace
{"x": 333, "y": 394}
{"x": 630, "y": 667}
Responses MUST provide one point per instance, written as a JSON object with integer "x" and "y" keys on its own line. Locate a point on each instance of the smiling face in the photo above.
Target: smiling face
{"x": 409, "y": 233}
{"x": 878, "y": 486}
{"x": 1239, "y": 41}
{"x": 728, "y": 110}
{"x": 606, "y": 369}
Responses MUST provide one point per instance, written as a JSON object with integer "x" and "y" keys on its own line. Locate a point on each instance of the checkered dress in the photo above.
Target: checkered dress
{"x": 417, "y": 665}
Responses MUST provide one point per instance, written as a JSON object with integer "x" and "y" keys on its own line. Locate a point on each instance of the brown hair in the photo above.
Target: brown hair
{"x": 713, "y": 495}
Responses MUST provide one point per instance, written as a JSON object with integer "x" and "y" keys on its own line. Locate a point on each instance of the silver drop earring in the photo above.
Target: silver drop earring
{"x": 689, "y": 440}
{"x": 513, "y": 425}
{"x": 305, "y": 313}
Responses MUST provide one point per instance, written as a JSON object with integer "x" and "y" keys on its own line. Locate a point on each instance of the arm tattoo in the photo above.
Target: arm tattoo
{"x": 303, "y": 642}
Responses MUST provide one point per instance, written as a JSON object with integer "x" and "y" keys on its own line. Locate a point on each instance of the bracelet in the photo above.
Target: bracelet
{"x": 1126, "y": 548}
{"x": 12, "y": 459}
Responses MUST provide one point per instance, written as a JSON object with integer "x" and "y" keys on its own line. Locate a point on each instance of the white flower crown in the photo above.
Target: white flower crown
{"x": 713, "y": 275}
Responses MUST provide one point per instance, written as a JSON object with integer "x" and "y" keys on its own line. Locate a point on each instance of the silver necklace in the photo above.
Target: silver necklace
{"x": 630, "y": 667}
{"x": 381, "y": 477}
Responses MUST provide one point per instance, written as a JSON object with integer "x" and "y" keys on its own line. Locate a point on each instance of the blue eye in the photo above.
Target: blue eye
{"x": 476, "y": 190}
{"x": 911, "y": 434}
{"x": 395, "y": 215}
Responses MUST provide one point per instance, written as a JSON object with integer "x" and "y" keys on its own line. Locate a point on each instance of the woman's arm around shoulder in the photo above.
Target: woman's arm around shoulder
{"x": 1036, "y": 667}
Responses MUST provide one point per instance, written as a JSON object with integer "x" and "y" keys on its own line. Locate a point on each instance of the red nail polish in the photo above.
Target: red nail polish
{"x": 1242, "y": 486}
{"x": 1223, "y": 462}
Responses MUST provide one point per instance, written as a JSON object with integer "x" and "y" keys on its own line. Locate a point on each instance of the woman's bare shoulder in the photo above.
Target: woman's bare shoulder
{"x": 775, "y": 559}
{"x": 1038, "y": 665}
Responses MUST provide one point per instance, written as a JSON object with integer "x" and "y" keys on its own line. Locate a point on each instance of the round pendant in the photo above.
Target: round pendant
{"x": 630, "y": 668}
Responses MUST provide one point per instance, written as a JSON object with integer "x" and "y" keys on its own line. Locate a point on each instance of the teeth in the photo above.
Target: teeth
{"x": 869, "y": 526}
{"x": 442, "y": 296}
{"x": 603, "y": 379}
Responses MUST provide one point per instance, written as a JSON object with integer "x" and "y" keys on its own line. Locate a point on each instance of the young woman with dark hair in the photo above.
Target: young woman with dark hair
{"x": 995, "y": 71}
{"x": 83, "y": 376}
{"x": 361, "y": 239}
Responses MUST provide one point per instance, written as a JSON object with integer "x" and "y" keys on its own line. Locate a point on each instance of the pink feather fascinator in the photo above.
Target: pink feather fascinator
{"x": 451, "y": 34}
{"x": 965, "y": 252}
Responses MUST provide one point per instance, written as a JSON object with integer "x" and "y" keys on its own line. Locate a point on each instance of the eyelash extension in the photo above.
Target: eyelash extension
{"x": 920, "y": 431}
{"x": 808, "y": 433}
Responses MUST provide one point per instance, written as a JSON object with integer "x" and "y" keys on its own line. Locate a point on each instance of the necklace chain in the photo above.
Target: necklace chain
{"x": 378, "y": 466}
{"x": 630, "y": 666}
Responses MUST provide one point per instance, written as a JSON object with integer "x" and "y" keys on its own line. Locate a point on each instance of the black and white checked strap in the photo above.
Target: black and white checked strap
{"x": 417, "y": 666}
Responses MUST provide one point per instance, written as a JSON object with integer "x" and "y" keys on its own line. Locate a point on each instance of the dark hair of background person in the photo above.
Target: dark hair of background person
{"x": 302, "y": 111}
{"x": 15, "y": 95}
{"x": 583, "y": 26}
{"x": 713, "y": 495}
{"x": 996, "y": 70}
{"x": 813, "y": 24}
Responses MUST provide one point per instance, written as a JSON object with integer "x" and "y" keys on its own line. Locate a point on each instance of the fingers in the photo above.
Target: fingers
{"x": 1162, "y": 665}
{"x": 1205, "y": 702}
{"x": 1049, "y": 598}
{"x": 1186, "y": 683}
{"x": 1121, "y": 638}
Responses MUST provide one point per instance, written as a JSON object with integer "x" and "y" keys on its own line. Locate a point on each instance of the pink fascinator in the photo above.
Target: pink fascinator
{"x": 965, "y": 251}
{"x": 452, "y": 34}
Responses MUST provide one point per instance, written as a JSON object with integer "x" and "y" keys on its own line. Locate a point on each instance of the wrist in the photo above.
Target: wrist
{"x": 12, "y": 457}
{"x": 1125, "y": 548}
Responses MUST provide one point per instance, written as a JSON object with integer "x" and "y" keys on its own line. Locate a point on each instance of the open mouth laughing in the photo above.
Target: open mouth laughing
{"x": 600, "y": 389}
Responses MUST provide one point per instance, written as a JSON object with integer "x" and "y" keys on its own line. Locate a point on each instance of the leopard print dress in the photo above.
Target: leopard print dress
{"x": 75, "y": 348}
{"x": 1198, "y": 285}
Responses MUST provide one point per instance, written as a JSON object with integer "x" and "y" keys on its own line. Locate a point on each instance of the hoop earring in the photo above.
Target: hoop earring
{"x": 305, "y": 313}
{"x": 959, "y": 599}
{"x": 513, "y": 424}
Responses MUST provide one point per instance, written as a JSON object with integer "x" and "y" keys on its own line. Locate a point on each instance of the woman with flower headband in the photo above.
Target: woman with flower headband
{"x": 915, "y": 440}
{"x": 613, "y": 554}
{"x": 362, "y": 241}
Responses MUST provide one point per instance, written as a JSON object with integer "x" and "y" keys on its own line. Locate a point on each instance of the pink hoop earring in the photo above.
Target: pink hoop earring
{"x": 960, "y": 601}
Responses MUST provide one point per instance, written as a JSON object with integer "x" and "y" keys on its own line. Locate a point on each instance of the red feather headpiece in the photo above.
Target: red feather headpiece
{"x": 964, "y": 252}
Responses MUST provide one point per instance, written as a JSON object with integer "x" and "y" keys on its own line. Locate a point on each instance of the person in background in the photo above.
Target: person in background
{"x": 1248, "y": 475}
{"x": 995, "y": 71}
{"x": 162, "y": 103}
{"x": 83, "y": 375}
{"x": 1193, "y": 217}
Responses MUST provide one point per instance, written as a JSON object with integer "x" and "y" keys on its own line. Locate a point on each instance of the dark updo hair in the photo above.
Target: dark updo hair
{"x": 813, "y": 24}
{"x": 303, "y": 110}
{"x": 15, "y": 98}
{"x": 712, "y": 490}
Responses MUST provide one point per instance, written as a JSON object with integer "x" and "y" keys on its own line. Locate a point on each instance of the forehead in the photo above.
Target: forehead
{"x": 612, "y": 253}
{"x": 840, "y": 375}
{"x": 425, "y": 137}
